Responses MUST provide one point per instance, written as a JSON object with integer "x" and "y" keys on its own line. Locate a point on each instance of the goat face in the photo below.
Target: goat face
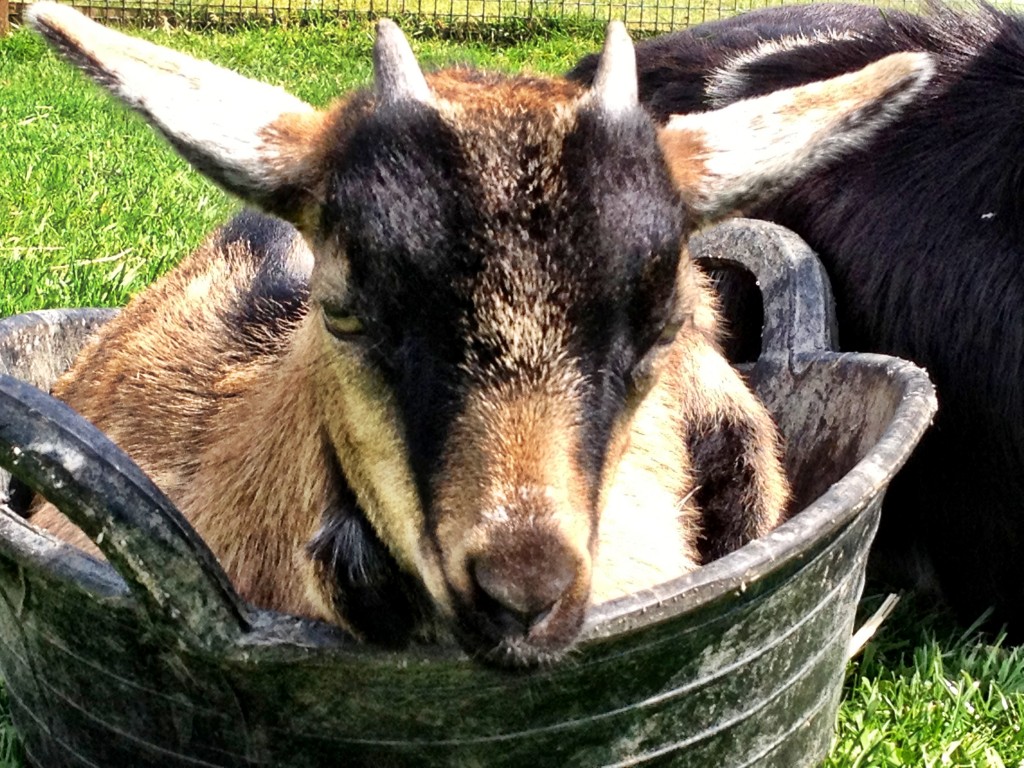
{"x": 458, "y": 232}
{"x": 499, "y": 269}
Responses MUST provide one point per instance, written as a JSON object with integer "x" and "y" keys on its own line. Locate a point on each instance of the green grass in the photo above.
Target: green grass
{"x": 927, "y": 693}
{"x": 93, "y": 207}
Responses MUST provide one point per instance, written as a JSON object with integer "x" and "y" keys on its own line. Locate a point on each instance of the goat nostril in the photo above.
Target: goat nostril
{"x": 522, "y": 591}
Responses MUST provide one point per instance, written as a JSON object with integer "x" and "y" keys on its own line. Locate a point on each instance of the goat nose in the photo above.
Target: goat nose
{"x": 524, "y": 586}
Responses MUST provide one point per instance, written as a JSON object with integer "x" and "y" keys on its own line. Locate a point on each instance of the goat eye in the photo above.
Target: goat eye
{"x": 669, "y": 332}
{"x": 342, "y": 323}
{"x": 641, "y": 374}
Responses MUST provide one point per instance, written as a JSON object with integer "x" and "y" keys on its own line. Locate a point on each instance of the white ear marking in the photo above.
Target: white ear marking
{"x": 397, "y": 74}
{"x": 615, "y": 85}
{"x": 731, "y": 158}
{"x": 728, "y": 83}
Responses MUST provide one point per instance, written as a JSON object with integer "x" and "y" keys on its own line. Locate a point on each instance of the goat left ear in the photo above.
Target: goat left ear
{"x": 732, "y": 158}
{"x": 253, "y": 139}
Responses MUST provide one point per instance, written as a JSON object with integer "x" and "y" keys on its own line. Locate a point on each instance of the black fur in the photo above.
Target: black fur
{"x": 401, "y": 199}
{"x": 278, "y": 295}
{"x": 922, "y": 237}
{"x": 724, "y": 474}
{"x": 381, "y": 602}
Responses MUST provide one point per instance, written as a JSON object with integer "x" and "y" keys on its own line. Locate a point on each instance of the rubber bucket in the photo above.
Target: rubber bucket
{"x": 153, "y": 660}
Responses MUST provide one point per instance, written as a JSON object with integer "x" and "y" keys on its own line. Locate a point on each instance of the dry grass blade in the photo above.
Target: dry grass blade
{"x": 863, "y": 635}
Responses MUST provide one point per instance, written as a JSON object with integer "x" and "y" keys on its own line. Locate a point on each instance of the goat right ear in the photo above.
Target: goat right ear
{"x": 255, "y": 140}
{"x": 732, "y": 158}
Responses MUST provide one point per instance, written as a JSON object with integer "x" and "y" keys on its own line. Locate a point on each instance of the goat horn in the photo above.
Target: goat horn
{"x": 397, "y": 74}
{"x": 615, "y": 84}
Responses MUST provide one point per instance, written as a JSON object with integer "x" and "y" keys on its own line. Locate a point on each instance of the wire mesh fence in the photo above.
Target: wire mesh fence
{"x": 641, "y": 15}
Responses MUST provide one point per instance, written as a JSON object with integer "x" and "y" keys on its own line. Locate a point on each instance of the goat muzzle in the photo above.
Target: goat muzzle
{"x": 529, "y": 589}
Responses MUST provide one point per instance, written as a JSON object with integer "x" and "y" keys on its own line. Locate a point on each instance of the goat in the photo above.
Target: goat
{"x": 481, "y": 389}
{"x": 921, "y": 233}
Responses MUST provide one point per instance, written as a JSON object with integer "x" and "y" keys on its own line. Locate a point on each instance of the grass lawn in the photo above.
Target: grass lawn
{"x": 93, "y": 206}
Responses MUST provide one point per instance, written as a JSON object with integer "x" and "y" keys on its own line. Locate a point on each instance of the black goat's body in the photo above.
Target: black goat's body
{"x": 921, "y": 234}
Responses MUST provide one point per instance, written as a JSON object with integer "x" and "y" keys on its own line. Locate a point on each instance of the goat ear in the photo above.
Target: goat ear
{"x": 253, "y": 139}
{"x": 732, "y": 158}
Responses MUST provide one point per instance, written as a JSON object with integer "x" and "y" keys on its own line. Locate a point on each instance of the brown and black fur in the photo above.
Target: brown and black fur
{"x": 482, "y": 388}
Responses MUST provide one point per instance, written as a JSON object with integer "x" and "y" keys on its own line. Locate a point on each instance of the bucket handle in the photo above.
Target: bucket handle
{"x": 168, "y": 568}
{"x": 799, "y": 310}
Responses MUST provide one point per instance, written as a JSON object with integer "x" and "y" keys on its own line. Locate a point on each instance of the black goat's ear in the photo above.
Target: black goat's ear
{"x": 254, "y": 139}
{"x": 732, "y": 158}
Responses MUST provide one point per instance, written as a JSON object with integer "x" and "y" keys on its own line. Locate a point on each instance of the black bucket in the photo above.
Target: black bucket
{"x": 153, "y": 660}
